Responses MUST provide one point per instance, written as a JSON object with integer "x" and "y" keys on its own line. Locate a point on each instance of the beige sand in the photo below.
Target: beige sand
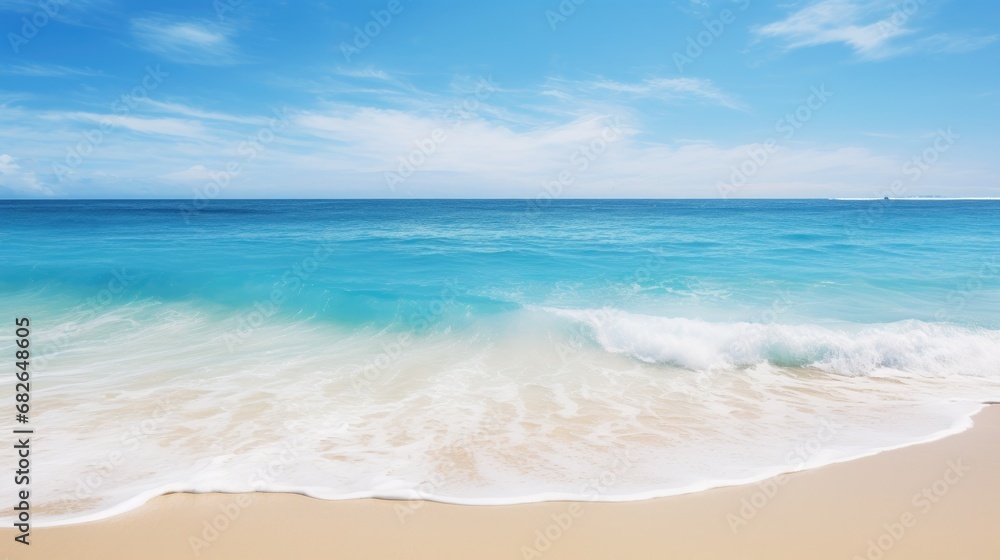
{"x": 841, "y": 511}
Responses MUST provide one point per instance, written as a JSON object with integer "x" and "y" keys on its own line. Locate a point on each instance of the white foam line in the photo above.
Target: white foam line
{"x": 961, "y": 424}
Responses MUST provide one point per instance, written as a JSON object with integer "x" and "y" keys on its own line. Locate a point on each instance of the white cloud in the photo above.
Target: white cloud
{"x": 339, "y": 149}
{"x": 837, "y": 21}
{"x": 347, "y": 151}
{"x": 373, "y": 139}
{"x": 672, "y": 89}
{"x": 19, "y": 180}
{"x": 195, "y": 173}
{"x": 874, "y": 30}
{"x": 186, "y": 41}
{"x": 364, "y": 73}
{"x": 195, "y": 112}
{"x": 483, "y": 158}
{"x": 145, "y": 125}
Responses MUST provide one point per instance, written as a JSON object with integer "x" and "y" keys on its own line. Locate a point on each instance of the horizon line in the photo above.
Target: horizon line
{"x": 547, "y": 200}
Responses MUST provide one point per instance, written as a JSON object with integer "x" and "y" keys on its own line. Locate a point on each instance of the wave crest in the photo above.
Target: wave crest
{"x": 912, "y": 347}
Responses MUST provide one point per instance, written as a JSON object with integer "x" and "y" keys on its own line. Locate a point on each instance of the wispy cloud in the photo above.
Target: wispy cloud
{"x": 954, "y": 43}
{"x": 46, "y": 70}
{"x": 883, "y": 135}
{"x": 146, "y": 125}
{"x": 670, "y": 90}
{"x": 195, "y": 173}
{"x": 674, "y": 89}
{"x": 338, "y": 147}
{"x": 364, "y": 73}
{"x": 198, "y": 113}
{"x": 874, "y": 30}
{"x": 185, "y": 40}
{"x": 94, "y": 14}
{"x": 838, "y": 21}
{"x": 346, "y": 150}
{"x": 499, "y": 159}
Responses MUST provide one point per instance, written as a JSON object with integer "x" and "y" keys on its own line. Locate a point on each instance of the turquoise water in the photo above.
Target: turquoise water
{"x": 867, "y": 261}
{"x": 491, "y": 351}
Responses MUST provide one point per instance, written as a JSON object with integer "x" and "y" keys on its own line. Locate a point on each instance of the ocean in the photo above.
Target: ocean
{"x": 487, "y": 351}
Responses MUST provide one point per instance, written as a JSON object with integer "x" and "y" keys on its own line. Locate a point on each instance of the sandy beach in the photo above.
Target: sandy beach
{"x": 567, "y": 280}
{"x": 929, "y": 501}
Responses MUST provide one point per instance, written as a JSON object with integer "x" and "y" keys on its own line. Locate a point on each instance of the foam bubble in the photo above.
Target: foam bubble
{"x": 517, "y": 407}
{"x": 909, "y": 347}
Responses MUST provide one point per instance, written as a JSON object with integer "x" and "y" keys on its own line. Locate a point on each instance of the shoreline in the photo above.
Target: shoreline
{"x": 839, "y": 510}
{"x": 966, "y": 423}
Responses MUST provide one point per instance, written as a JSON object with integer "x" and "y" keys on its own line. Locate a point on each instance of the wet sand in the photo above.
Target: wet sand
{"x": 931, "y": 501}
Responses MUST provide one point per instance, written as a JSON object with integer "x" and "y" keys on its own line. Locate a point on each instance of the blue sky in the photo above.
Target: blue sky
{"x": 571, "y": 98}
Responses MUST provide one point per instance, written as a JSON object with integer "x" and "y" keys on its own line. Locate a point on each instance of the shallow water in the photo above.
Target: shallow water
{"x": 489, "y": 351}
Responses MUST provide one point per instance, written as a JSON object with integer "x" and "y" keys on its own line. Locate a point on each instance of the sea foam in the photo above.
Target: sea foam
{"x": 910, "y": 347}
{"x": 526, "y": 406}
